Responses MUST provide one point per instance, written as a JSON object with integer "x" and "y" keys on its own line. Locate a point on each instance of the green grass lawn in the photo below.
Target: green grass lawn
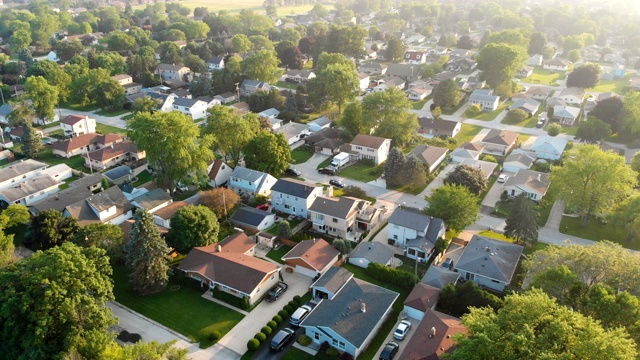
{"x": 527, "y": 250}
{"x": 544, "y": 77}
{"x": 414, "y": 190}
{"x": 450, "y": 111}
{"x": 108, "y": 129}
{"x": 617, "y": 85}
{"x": 466, "y": 134}
{"x": 362, "y": 172}
{"x": 325, "y": 163}
{"x": 522, "y": 138}
{"x": 58, "y": 132}
{"x": 142, "y": 178}
{"x": 276, "y": 255}
{"x": 297, "y": 354}
{"x": 183, "y": 310}
{"x": 78, "y": 107}
{"x": 46, "y": 155}
{"x": 488, "y": 116}
{"x": 418, "y": 105}
{"x": 544, "y": 208}
{"x": 570, "y": 130}
{"x": 596, "y": 231}
{"x": 526, "y": 123}
{"x": 49, "y": 125}
{"x": 113, "y": 113}
{"x": 286, "y": 85}
{"x": 302, "y": 154}
{"x": 127, "y": 117}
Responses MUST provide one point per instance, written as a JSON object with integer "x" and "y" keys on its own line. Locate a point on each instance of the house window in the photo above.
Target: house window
{"x": 342, "y": 345}
{"x": 470, "y": 276}
{"x": 320, "y": 217}
{"x": 316, "y": 336}
{"x": 334, "y": 342}
{"x": 280, "y": 196}
{"x": 335, "y": 220}
{"x": 395, "y": 237}
{"x": 358, "y": 147}
{"x": 411, "y": 252}
{"x": 286, "y": 206}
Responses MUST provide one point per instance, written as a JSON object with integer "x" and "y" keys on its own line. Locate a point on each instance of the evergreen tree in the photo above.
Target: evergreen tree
{"x": 522, "y": 223}
{"x": 393, "y": 168}
{"x": 31, "y": 142}
{"x": 414, "y": 171}
{"x": 147, "y": 256}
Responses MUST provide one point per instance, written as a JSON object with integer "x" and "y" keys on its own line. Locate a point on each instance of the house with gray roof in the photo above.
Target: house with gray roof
{"x": 216, "y": 63}
{"x": 421, "y": 299}
{"x": 293, "y": 196}
{"x": 415, "y": 231}
{"x": 374, "y": 68}
{"x": 318, "y": 124}
{"x": 17, "y": 171}
{"x": 529, "y": 106}
{"x": 439, "y": 277}
{"x": 152, "y": 200}
{"x": 499, "y": 142}
{"x": 488, "y": 262}
{"x": 29, "y": 191}
{"x": 219, "y": 173}
{"x": 371, "y": 252}
{"x": 326, "y": 141}
{"x": 406, "y": 72}
{"x": 566, "y": 115}
{"x": 249, "y": 87}
{"x": 108, "y": 207}
{"x": 269, "y": 113}
{"x": 549, "y": 147}
{"x": 533, "y": 184}
{"x": 486, "y": 167}
{"x": 5, "y": 110}
{"x": 330, "y": 283}
{"x": 430, "y": 127}
{"x": 249, "y": 183}
{"x": 78, "y": 190}
{"x": 256, "y": 219}
{"x": 351, "y": 318}
{"x": 344, "y": 217}
{"x": 118, "y": 174}
{"x": 195, "y": 108}
{"x": 515, "y": 162}
{"x": 573, "y": 95}
{"x": 293, "y": 131}
{"x": 484, "y": 98}
{"x": 431, "y": 156}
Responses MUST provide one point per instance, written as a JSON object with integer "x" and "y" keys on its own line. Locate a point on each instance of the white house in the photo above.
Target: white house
{"x": 419, "y": 93}
{"x": 293, "y": 196}
{"x": 29, "y": 191}
{"x": 389, "y": 84}
{"x": 572, "y": 95}
{"x": 364, "y": 81}
{"x": 566, "y": 115}
{"x": 488, "y": 262}
{"x": 556, "y": 64}
{"x": 216, "y": 63}
{"x": 197, "y": 109}
{"x": 484, "y": 98}
{"x": 415, "y": 57}
{"x": 499, "y": 142}
{"x": 371, "y": 147}
{"x": 293, "y": 131}
{"x": 18, "y": 171}
{"x": 172, "y": 72}
{"x": 415, "y": 231}
{"x": 515, "y": 162}
{"x": 344, "y": 217}
{"x": 219, "y": 173}
{"x": 534, "y": 60}
{"x": 431, "y": 156}
{"x": 76, "y": 125}
{"x": 467, "y": 151}
{"x": 251, "y": 218}
{"x": 249, "y": 183}
{"x": 318, "y": 124}
{"x": 108, "y": 207}
{"x": 126, "y": 81}
{"x": 533, "y": 184}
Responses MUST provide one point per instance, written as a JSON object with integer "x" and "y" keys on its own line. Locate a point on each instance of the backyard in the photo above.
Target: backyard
{"x": 183, "y": 310}
{"x": 544, "y": 77}
{"x": 276, "y": 255}
{"x": 46, "y": 156}
{"x": 529, "y": 122}
{"x": 108, "y": 129}
{"x": 466, "y": 134}
{"x": 597, "y": 231}
{"x": 418, "y": 105}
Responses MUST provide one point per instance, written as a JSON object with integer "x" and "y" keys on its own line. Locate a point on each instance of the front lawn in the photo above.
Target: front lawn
{"x": 418, "y": 105}
{"x": 488, "y": 115}
{"x": 108, "y": 129}
{"x": 325, "y": 163}
{"x": 302, "y": 154}
{"x": 183, "y": 310}
{"x": 362, "y": 172}
{"x": 545, "y": 205}
{"x": 522, "y": 138}
{"x": 414, "y": 190}
{"x": 596, "y": 231}
{"x": 46, "y": 155}
{"x": 466, "y": 134}
{"x": 544, "y": 77}
{"x": 112, "y": 113}
{"x": 49, "y": 125}
{"x": 142, "y": 178}
{"x": 529, "y": 122}
{"x": 287, "y": 85}
{"x": 618, "y": 85}
{"x": 570, "y": 130}
{"x": 276, "y": 255}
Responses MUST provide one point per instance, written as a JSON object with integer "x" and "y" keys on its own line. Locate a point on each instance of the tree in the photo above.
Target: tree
{"x": 259, "y": 42}
{"x": 388, "y": 112}
{"x": 457, "y": 300}
{"x": 395, "y": 50}
{"x": 193, "y": 226}
{"x": 173, "y": 144}
{"x": 113, "y": 62}
{"x": 284, "y": 229}
{"x": 268, "y": 152}
{"x": 574, "y": 56}
{"x": 319, "y": 11}
{"x": 512, "y": 333}
{"x": 109, "y": 94}
{"x": 289, "y": 55}
{"x": 65, "y": 50}
{"x": 537, "y": 43}
{"x": 262, "y": 66}
{"x": 499, "y": 62}
{"x": 31, "y": 142}
{"x": 20, "y": 115}
{"x": 20, "y": 40}
{"x": 465, "y": 42}
{"x": 515, "y": 116}
{"x": 220, "y": 200}
{"x": 593, "y": 130}
{"x": 393, "y": 168}
{"x": 43, "y": 96}
{"x": 447, "y": 94}
{"x": 522, "y": 222}
{"x": 144, "y": 104}
{"x": 469, "y": 177}
{"x": 50, "y": 228}
{"x": 16, "y": 215}
{"x": 232, "y": 131}
{"x": 54, "y": 302}
{"x": 121, "y": 42}
{"x": 585, "y": 76}
{"x": 554, "y": 129}
{"x": 104, "y": 236}
{"x": 344, "y": 246}
{"x": 624, "y": 215}
{"x": 240, "y": 43}
{"x": 609, "y": 111}
{"x": 262, "y": 100}
{"x": 454, "y": 204}
{"x": 352, "y": 118}
{"x": 336, "y": 83}
{"x": 170, "y": 52}
{"x": 630, "y": 126}
{"x": 147, "y": 255}
{"x": 141, "y": 351}
{"x": 586, "y": 184}
{"x": 414, "y": 171}
{"x": 635, "y": 164}
{"x": 7, "y": 248}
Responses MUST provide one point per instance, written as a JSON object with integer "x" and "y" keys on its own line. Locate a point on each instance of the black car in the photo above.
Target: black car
{"x": 276, "y": 291}
{"x": 281, "y": 339}
{"x": 292, "y": 172}
{"x": 327, "y": 171}
{"x": 390, "y": 350}
{"x": 336, "y": 183}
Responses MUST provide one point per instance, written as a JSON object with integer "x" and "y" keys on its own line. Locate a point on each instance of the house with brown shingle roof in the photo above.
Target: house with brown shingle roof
{"x": 106, "y": 157}
{"x": 421, "y": 299}
{"x": 17, "y": 133}
{"x": 370, "y": 147}
{"x": 84, "y": 143}
{"x": 311, "y": 257}
{"x": 430, "y": 127}
{"x": 108, "y": 207}
{"x": 219, "y": 173}
{"x": 499, "y": 142}
{"x": 533, "y": 184}
{"x": 230, "y": 266}
{"x": 163, "y": 215}
{"x": 433, "y": 337}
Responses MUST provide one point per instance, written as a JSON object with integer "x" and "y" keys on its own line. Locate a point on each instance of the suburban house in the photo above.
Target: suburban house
{"x": 249, "y": 87}
{"x": 311, "y": 257}
{"x": 219, "y": 173}
{"x": 226, "y": 98}
{"x": 515, "y": 162}
{"x": 270, "y": 113}
{"x": 126, "y": 81}
{"x": 439, "y": 277}
{"x": 415, "y": 57}
{"x": 556, "y": 64}
{"x": 293, "y": 196}
{"x": 172, "y": 72}
{"x": 152, "y": 200}
{"x": 255, "y": 219}
{"x": 539, "y": 92}
{"x": 84, "y": 144}
{"x": 29, "y": 190}
{"x": 524, "y": 72}
{"x": 108, "y": 207}
{"x": 17, "y": 133}
{"x": 390, "y": 84}
{"x": 108, "y": 156}
{"x": 293, "y": 131}
{"x": 566, "y": 115}
{"x": 500, "y": 142}
{"x": 371, "y": 252}
{"x": 374, "y": 68}
{"x": 534, "y": 60}
{"x": 467, "y": 151}
{"x": 231, "y": 267}
{"x": 197, "y": 109}
{"x": 421, "y": 299}
{"x": 406, "y": 72}
{"x": 76, "y": 125}
{"x": 549, "y": 147}
{"x": 326, "y": 141}
{"x": 371, "y": 148}
{"x": 415, "y": 231}
{"x": 5, "y": 110}
{"x": 430, "y": 127}
{"x": 162, "y": 217}
{"x": 529, "y": 106}
{"x": 349, "y": 318}
{"x": 118, "y": 175}
{"x": 249, "y": 183}
{"x": 419, "y": 93}
{"x": 484, "y": 98}
{"x": 318, "y": 124}
{"x": 461, "y": 65}
{"x": 488, "y": 262}
{"x": 344, "y": 217}
{"x": 300, "y": 76}
{"x": 433, "y": 337}
{"x": 533, "y": 184}
{"x": 486, "y": 167}
{"x": 364, "y": 81}
{"x": 572, "y": 95}
{"x": 216, "y": 63}
{"x": 431, "y": 156}
{"x": 79, "y": 189}
{"x": 600, "y": 97}
{"x": 211, "y": 102}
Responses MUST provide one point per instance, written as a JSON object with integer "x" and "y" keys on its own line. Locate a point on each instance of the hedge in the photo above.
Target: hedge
{"x": 266, "y": 330}
{"x": 392, "y": 276}
{"x": 272, "y": 324}
{"x": 253, "y": 344}
{"x": 304, "y": 340}
{"x": 278, "y": 319}
{"x": 283, "y": 313}
{"x": 260, "y": 337}
{"x": 298, "y": 300}
{"x": 288, "y": 309}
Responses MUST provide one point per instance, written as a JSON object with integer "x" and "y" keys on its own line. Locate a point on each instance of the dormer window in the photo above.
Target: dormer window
{"x": 408, "y": 56}
{"x": 418, "y": 56}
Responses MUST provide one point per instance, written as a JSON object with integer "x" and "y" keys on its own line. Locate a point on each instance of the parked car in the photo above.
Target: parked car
{"x": 280, "y": 339}
{"x": 336, "y": 183}
{"x": 263, "y": 207}
{"x": 327, "y": 171}
{"x": 292, "y": 172}
{"x": 502, "y": 178}
{"x": 390, "y": 350}
{"x": 299, "y": 315}
{"x": 448, "y": 263}
{"x": 402, "y": 330}
{"x": 540, "y": 124}
{"x": 276, "y": 291}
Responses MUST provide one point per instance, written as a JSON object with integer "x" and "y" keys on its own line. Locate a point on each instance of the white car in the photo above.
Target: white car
{"x": 402, "y": 330}
{"x": 502, "y": 178}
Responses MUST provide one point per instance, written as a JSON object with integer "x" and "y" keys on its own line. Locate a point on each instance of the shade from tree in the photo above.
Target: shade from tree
{"x": 457, "y": 300}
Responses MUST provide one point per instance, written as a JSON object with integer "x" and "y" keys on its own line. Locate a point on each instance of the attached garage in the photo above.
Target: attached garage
{"x": 311, "y": 257}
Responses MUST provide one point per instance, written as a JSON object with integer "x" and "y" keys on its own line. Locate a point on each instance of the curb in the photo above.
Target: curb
{"x": 174, "y": 333}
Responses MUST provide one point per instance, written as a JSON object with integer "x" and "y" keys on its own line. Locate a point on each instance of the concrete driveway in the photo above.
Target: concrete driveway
{"x": 439, "y": 180}
{"x": 414, "y": 324}
{"x": 493, "y": 196}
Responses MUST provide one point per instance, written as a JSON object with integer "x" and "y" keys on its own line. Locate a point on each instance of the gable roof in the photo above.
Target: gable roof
{"x": 500, "y": 137}
{"x": 486, "y": 167}
{"x": 340, "y": 208}
{"x": 216, "y": 60}
{"x": 483, "y": 95}
{"x": 117, "y": 172}
{"x": 110, "y": 152}
{"x": 539, "y": 90}
{"x": 373, "y": 251}
{"x": 247, "y": 174}
{"x": 369, "y": 141}
{"x": 423, "y": 297}
{"x": 403, "y": 70}
{"x": 291, "y": 129}
{"x": 423, "y": 346}
{"x": 113, "y": 196}
{"x": 527, "y": 104}
{"x": 28, "y": 187}
{"x": 317, "y": 253}
{"x": 151, "y": 199}
{"x": 557, "y": 62}
{"x": 19, "y": 168}
{"x": 438, "y": 277}
{"x": 532, "y": 179}
{"x": 238, "y": 243}
{"x": 334, "y": 279}
{"x": 249, "y": 216}
{"x": 217, "y": 165}
{"x": 410, "y": 219}
{"x": 558, "y": 144}
{"x": 168, "y": 211}
{"x": 566, "y": 111}
{"x": 293, "y": 187}
{"x": 572, "y": 91}
{"x": 188, "y": 103}
{"x": 490, "y": 258}
{"x": 520, "y": 158}
{"x": 171, "y": 67}
{"x": 84, "y": 140}
{"x": 18, "y": 131}
{"x": 440, "y": 126}
{"x": 323, "y": 134}
{"x": 428, "y": 154}
{"x": 73, "y": 119}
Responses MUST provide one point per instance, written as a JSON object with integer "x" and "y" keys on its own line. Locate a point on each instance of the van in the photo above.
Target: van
{"x": 299, "y": 315}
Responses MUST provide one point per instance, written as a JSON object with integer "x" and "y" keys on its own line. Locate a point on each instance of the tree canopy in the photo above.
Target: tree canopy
{"x": 522, "y": 222}
{"x": 388, "y": 113}
{"x": 220, "y": 200}
{"x": 105, "y": 236}
{"x": 268, "y": 152}
{"x": 447, "y": 94}
{"x": 593, "y": 130}
{"x": 262, "y": 66}
{"x": 585, "y": 76}
{"x": 232, "y": 131}
{"x": 499, "y": 62}
{"x": 454, "y": 204}
{"x": 193, "y": 226}
{"x": 50, "y": 228}
{"x": 609, "y": 110}
{"x": 469, "y": 177}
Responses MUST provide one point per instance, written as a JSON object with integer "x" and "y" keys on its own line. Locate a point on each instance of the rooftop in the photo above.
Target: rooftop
{"x": 294, "y": 187}
{"x": 369, "y": 141}
{"x": 491, "y": 258}
{"x": 317, "y": 252}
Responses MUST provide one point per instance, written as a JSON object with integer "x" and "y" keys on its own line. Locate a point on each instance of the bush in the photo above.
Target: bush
{"x": 488, "y": 158}
{"x": 260, "y": 337}
{"x": 346, "y": 356}
{"x": 355, "y": 191}
{"x": 272, "y": 324}
{"x": 554, "y": 129}
{"x": 214, "y": 336}
{"x": 332, "y": 352}
{"x": 293, "y": 304}
{"x": 253, "y": 344}
{"x": 298, "y": 300}
{"x": 283, "y": 314}
{"x": 266, "y": 330}
{"x": 244, "y": 304}
{"x": 474, "y": 110}
{"x": 278, "y": 319}
{"x": 288, "y": 308}
{"x": 515, "y": 116}
{"x": 304, "y": 340}
{"x": 392, "y": 276}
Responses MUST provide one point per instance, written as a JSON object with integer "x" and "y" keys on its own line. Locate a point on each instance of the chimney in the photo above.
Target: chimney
{"x": 363, "y": 307}
{"x": 433, "y": 332}
{"x": 539, "y": 177}
{"x": 218, "y": 248}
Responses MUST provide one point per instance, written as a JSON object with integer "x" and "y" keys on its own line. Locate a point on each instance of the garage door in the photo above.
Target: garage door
{"x": 304, "y": 271}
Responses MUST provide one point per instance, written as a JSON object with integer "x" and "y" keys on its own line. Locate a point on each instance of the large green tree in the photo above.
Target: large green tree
{"x": 393, "y": 168}
{"x": 454, "y": 204}
{"x": 232, "y": 131}
{"x": 447, "y": 94}
{"x": 609, "y": 110}
{"x": 31, "y": 141}
{"x": 193, "y": 226}
{"x": 105, "y": 236}
{"x": 630, "y": 127}
{"x": 50, "y": 228}
{"x": 352, "y": 119}
{"x": 626, "y": 217}
{"x": 20, "y": 115}
{"x": 585, "y": 181}
{"x": 147, "y": 255}
{"x": 268, "y": 152}
{"x": 593, "y": 130}
{"x": 470, "y": 177}
{"x": 6, "y": 243}
{"x": 65, "y": 50}
{"x": 395, "y": 50}
{"x": 43, "y": 96}
{"x": 54, "y": 302}
{"x": 388, "y": 112}
{"x": 522, "y": 222}
{"x": 262, "y": 66}
{"x": 546, "y": 330}
{"x": 499, "y": 62}
{"x": 144, "y": 351}
{"x": 173, "y": 144}
{"x": 458, "y": 300}
{"x": 336, "y": 83}
{"x": 585, "y": 76}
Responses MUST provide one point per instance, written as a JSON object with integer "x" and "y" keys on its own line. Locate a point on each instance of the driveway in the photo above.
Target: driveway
{"x": 403, "y": 343}
{"x": 493, "y": 196}
{"x": 439, "y": 180}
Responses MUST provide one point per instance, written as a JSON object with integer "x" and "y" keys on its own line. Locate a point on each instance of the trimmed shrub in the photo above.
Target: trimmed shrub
{"x": 298, "y": 300}
{"x": 214, "y": 335}
{"x": 304, "y": 340}
{"x": 293, "y": 304}
{"x": 266, "y": 330}
{"x": 288, "y": 308}
{"x": 260, "y": 337}
{"x": 272, "y": 324}
{"x": 278, "y": 319}
{"x": 392, "y": 276}
{"x": 283, "y": 314}
{"x": 332, "y": 352}
{"x": 253, "y": 344}
{"x": 244, "y": 304}
{"x": 554, "y": 129}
